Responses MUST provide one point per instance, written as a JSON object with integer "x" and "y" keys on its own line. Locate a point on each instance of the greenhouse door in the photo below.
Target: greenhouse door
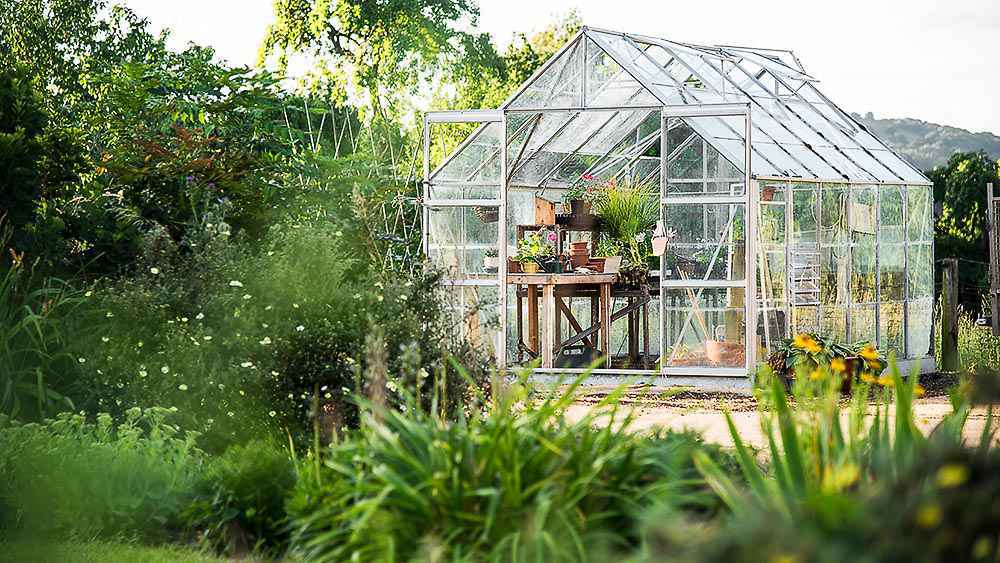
{"x": 464, "y": 219}
{"x": 707, "y": 320}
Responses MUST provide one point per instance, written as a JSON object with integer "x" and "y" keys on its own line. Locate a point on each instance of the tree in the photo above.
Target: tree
{"x": 37, "y": 157}
{"x": 382, "y": 48}
{"x": 960, "y": 188}
{"x": 62, "y": 43}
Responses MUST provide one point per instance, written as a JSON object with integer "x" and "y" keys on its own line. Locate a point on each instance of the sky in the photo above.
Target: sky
{"x": 927, "y": 59}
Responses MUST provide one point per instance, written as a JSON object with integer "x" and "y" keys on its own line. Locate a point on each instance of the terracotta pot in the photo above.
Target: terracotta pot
{"x": 713, "y": 351}
{"x": 579, "y": 260}
{"x": 767, "y": 194}
{"x": 596, "y": 264}
{"x": 513, "y": 266}
{"x": 529, "y": 267}
{"x": 580, "y": 245}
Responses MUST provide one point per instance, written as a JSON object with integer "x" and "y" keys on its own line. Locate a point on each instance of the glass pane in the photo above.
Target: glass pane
{"x": 891, "y": 277}
{"x": 772, "y": 327}
{"x": 608, "y": 84}
{"x": 704, "y": 327}
{"x": 558, "y": 86}
{"x": 803, "y": 212}
{"x": 890, "y": 222}
{"x": 833, "y": 323}
{"x": 833, "y": 207}
{"x": 919, "y": 207}
{"x": 474, "y": 310}
{"x": 920, "y": 270}
{"x": 863, "y": 221}
{"x": 771, "y": 277}
{"x": 458, "y": 238}
{"x": 474, "y": 161}
{"x": 805, "y": 319}
{"x": 891, "y": 327}
{"x": 863, "y": 323}
{"x": 834, "y": 274}
{"x": 918, "y": 329}
{"x": 863, "y": 274}
{"x": 709, "y": 242}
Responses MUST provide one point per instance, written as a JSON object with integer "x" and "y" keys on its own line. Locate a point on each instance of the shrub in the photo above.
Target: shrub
{"x": 513, "y": 479}
{"x": 240, "y": 500}
{"x": 71, "y": 476}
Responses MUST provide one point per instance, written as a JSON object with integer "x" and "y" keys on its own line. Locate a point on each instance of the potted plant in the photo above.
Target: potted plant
{"x": 582, "y": 196}
{"x": 491, "y": 260}
{"x": 629, "y": 212}
{"x": 533, "y": 250}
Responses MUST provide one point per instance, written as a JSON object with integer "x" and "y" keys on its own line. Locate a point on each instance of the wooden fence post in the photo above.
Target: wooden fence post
{"x": 949, "y": 315}
{"x": 991, "y": 237}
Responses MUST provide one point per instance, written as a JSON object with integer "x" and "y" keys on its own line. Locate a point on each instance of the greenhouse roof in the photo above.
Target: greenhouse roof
{"x": 597, "y": 102}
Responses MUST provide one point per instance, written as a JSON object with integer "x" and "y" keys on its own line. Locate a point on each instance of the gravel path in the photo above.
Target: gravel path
{"x": 701, "y": 411}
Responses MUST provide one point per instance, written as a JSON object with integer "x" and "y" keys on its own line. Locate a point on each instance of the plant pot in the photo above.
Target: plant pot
{"x": 513, "y": 266}
{"x": 580, "y": 246}
{"x": 491, "y": 263}
{"x": 767, "y": 194}
{"x": 596, "y": 264}
{"x": 612, "y": 264}
{"x": 529, "y": 267}
{"x": 713, "y": 351}
{"x": 579, "y": 260}
{"x": 579, "y": 207}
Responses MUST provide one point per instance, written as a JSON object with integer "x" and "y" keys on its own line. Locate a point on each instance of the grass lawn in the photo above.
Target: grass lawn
{"x": 99, "y": 552}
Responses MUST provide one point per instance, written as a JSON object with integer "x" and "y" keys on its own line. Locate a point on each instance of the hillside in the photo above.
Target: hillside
{"x": 928, "y": 144}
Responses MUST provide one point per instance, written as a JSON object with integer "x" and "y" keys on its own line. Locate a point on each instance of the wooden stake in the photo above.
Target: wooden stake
{"x": 949, "y": 316}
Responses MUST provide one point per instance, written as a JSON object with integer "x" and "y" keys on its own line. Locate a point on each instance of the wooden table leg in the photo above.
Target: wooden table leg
{"x": 557, "y": 306}
{"x": 548, "y": 320}
{"x": 645, "y": 335}
{"x": 606, "y": 323}
{"x": 533, "y": 319}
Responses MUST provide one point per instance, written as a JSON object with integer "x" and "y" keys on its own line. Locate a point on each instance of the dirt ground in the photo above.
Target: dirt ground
{"x": 703, "y": 412}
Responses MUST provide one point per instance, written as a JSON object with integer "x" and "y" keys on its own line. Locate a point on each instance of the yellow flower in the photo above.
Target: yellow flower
{"x": 919, "y": 390}
{"x": 802, "y": 340}
{"x": 929, "y": 516}
{"x": 816, "y": 374}
{"x": 838, "y": 364}
{"x": 885, "y": 381}
{"x": 952, "y": 475}
{"x": 868, "y": 378}
{"x": 869, "y": 353}
{"x": 874, "y": 365}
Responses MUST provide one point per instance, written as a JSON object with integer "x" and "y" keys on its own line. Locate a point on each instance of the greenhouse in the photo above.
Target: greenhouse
{"x": 765, "y": 210}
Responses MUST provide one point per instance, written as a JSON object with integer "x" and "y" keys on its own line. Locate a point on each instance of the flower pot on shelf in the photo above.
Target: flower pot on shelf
{"x": 513, "y": 266}
{"x": 491, "y": 263}
{"x": 713, "y": 351}
{"x": 767, "y": 194}
{"x": 596, "y": 264}
{"x": 579, "y": 207}
{"x": 529, "y": 267}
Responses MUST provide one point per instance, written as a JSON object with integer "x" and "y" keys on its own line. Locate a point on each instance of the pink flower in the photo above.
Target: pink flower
{"x": 588, "y": 177}
{"x": 552, "y": 237}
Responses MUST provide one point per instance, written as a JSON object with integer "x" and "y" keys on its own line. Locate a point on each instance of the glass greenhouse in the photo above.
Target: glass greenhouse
{"x": 785, "y": 213}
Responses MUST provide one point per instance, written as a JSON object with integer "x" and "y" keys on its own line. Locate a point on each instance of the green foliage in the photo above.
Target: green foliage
{"x": 513, "y": 479}
{"x": 535, "y": 247}
{"x": 36, "y": 156}
{"x": 74, "y": 477}
{"x": 629, "y": 211}
{"x": 239, "y": 503}
{"x": 33, "y": 338}
{"x": 110, "y": 551}
{"x": 377, "y": 48}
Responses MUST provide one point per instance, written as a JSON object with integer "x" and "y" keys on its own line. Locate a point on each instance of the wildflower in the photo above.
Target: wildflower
{"x": 230, "y": 414}
{"x": 952, "y": 475}
{"x": 139, "y": 344}
{"x": 868, "y": 378}
{"x": 339, "y": 233}
{"x": 190, "y": 179}
{"x": 270, "y": 253}
{"x": 154, "y": 270}
{"x": 919, "y": 390}
{"x": 804, "y": 341}
{"x": 247, "y": 296}
{"x": 299, "y": 328}
{"x": 269, "y": 307}
{"x": 274, "y": 373}
{"x": 82, "y": 360}
{"x": 246, "y": 364}
{"x": 165, "y": 369}
{"x": 265, "y": 341}
{"x": 182, "y": 387}
{"x": 184, "y": 319}
{"x": 838, "y": 364}
{"x": 874, "y": 365}
{"x": 885, "y": 381}
{"x": 929, "y": 516}
{"x": 109, "y": 314}
{"x": 88, "y": 294}
{"x": 272, "y": 414}
{"x": 199, "y": 316}
{"x": 869, "y": 353}
{"x": 265, "y": 325}
{"x": 207, "y": 337}
{"x": 235, "y": 283}
{"x": 143, "y": 373}
{"x": 816, "y": 374}
{"x": 242, "y": 393}
{"x": 295, "y": 305}
{"x": 327, "y": 395}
